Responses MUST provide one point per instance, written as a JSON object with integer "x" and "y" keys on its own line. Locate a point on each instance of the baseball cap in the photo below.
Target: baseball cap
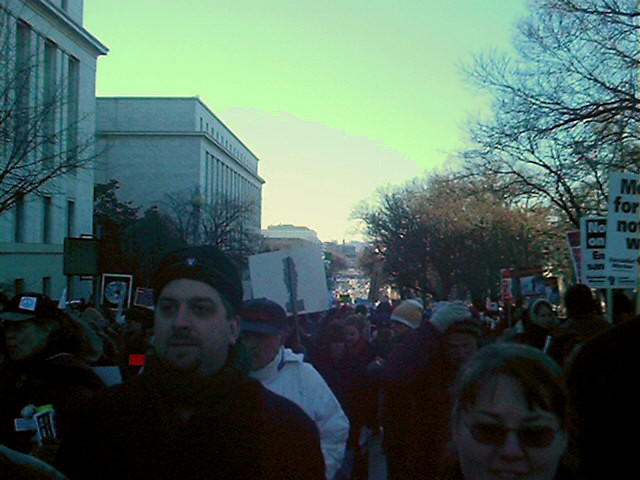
{"x": 27, "y": 306}
{"x": 206, "y": 264}
{"x": 263, "y": 316}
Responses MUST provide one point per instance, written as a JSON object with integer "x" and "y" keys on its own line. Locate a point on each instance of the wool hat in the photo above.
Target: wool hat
{"x": 446, "y": 314}
{"x": 28, "y": 306}
{"x": 409, "y": 313}
{"x": 263, "y": 316}
{"x": 206, "y": 264}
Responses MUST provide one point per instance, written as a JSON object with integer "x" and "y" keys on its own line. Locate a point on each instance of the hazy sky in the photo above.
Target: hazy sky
{"x": 336, "y": 97}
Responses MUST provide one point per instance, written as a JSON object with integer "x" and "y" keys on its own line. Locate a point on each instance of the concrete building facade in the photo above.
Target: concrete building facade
{"x": 155, "y": 146}
{"x": 48, "y": 37}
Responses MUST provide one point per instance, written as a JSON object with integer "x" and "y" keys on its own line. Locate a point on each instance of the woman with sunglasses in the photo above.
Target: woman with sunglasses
{"x": 509, "y": 419}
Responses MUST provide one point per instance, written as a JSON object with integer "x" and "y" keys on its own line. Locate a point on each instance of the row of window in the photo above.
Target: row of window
{"x": 220, "y": 179}
{"x": 222, "y": 140}
{"x": 45, "y": 286}
{"x": 50, "y": 213}
{"x": 45, "y": 90}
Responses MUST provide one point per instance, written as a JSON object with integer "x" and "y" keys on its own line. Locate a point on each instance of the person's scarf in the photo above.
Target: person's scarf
{"x": 194, "y": 390}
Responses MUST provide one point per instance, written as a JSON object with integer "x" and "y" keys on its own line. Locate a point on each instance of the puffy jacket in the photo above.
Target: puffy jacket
{"x": 290, "y": 376}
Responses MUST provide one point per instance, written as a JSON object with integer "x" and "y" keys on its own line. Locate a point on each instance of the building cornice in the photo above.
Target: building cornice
{"x": 205, "y": 135}
{"x": 65, "y": 23}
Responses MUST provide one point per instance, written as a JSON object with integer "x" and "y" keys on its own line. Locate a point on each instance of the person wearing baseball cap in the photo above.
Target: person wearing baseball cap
{"x": 43, "y": 367}
{"x": 193, "y": 412}
{"x": 264, "y": 326}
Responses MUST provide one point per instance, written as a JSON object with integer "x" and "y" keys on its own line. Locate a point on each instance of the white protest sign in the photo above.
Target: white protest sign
{"x": 593, "y": 241}
{"x": 622, "y": 241}
{"x": 294, "y": 278}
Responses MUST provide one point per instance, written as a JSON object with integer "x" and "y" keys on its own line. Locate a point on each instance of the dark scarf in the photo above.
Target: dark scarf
{"x": 194, "y": 390}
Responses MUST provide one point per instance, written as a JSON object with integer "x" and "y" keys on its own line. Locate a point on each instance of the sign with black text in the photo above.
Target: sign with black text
{"x": 593, "y": 242}
{"x": 622, "y": 240}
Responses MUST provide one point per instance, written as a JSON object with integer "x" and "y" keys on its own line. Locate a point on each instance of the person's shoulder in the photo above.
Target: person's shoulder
{"x": 130, "y": 395}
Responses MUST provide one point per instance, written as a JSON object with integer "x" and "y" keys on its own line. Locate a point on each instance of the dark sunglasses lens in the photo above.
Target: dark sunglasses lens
{"x": 488, "y": 433}
{"x": 536, "y": 437}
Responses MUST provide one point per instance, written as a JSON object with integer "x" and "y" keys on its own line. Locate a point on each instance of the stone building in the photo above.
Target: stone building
{"x": 157, "y": 146}
{"x": 48, "y": 83}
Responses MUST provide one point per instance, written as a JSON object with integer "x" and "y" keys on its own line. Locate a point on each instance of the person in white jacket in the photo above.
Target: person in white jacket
{"x": 263, "y": 329}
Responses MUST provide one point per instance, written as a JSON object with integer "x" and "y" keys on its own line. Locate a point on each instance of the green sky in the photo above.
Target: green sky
{"x": 336, "y": 97}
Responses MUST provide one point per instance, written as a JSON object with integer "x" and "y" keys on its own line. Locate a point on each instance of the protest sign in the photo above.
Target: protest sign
{"x": 622, "y": 240}
{"x": 507, "y": 276}
{"x": 294, "y": 278}
{"x": 593, "y": 240}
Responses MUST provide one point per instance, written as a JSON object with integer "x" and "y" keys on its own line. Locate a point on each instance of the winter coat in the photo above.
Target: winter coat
{"x": 604, "y": 401}
{"x": 61, "y": 380}
{"x": 237, "y": 429}
{"x": 290, "y": 376}
{"x": 567, "y": 338}
{"x": 416, "y": 407}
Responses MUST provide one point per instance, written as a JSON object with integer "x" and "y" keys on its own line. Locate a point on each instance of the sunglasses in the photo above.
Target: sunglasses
{"x": 496, "y": 434}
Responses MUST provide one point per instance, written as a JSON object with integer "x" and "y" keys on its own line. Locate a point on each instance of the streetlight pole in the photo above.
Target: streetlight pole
{"x": 197, "y": 201}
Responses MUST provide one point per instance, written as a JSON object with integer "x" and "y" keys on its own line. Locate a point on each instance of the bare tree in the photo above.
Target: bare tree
{"x": 441, "y": 236}
{"x": 40, "y": 125}
{"x": 224, "y": 222}
{"x": 565, "y": 108}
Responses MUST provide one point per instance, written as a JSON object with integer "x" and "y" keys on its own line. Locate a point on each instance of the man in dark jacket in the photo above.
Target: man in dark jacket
{"x": 417, "y": 380}
{"x": 193, "y": 413}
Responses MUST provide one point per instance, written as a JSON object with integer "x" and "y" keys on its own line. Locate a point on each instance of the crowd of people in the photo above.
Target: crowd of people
{"x": 206, "y": 385}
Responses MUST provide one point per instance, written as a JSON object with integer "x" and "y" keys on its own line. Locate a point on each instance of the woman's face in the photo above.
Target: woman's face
{"x": 500, "y": 438}
{"x": 544, "y": 316}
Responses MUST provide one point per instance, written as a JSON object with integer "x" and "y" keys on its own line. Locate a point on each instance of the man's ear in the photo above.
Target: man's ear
{"x": 234, "y": 329}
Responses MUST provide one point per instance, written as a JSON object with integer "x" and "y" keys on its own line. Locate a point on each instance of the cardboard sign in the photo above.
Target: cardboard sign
{"x": 623, "y": 241}
{"x": 507, "y": 276}
{"x": 593, "y": 242}
{"x": 294, "y": 278}
{"x": 116, "y": 291}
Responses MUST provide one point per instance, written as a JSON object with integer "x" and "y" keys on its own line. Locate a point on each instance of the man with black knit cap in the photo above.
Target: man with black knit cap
{"x": 193, "y": 413}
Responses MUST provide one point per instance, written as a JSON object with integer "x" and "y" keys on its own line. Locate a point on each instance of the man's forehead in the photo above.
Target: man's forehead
{"x": 187, "y": 288}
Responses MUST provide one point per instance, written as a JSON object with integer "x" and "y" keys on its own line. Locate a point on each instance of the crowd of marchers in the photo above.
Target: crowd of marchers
{"x": 205, "y": 385}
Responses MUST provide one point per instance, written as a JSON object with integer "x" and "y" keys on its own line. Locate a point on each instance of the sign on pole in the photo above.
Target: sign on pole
{"x": 622, "y": 237}
{"x": 593, "y": 242}
{"x": 294, "y": 278}
{"x": 573, "y": 242}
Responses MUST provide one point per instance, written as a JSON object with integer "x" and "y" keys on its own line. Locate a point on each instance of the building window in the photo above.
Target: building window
{"x": 71, "y": 217}
{"x": 22, "y": 87}
{"x": 18, "y": 223}
{"x": 47, "y": 212}
{"x": 73, "y": 102}
{"x": 46, "y": 286}
{"x": 18, "y": 286}
{"x": 49, "y": 105}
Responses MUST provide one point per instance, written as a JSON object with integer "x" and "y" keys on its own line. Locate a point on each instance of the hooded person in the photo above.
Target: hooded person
{"x": 263, "y": 326}
{"x": 43, "y": 367}
{"x": 535, "y": 326}
{"x": 417, "y": 382}
{"x": 193, "y": 413}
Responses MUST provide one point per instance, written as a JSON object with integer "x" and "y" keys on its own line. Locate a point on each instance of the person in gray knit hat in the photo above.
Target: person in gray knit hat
{"x": 193, "y": 413}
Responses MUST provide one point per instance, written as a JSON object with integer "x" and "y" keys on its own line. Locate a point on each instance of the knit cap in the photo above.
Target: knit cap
{"x": 205, "y": 263}
{"x": 409, "y": 313}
